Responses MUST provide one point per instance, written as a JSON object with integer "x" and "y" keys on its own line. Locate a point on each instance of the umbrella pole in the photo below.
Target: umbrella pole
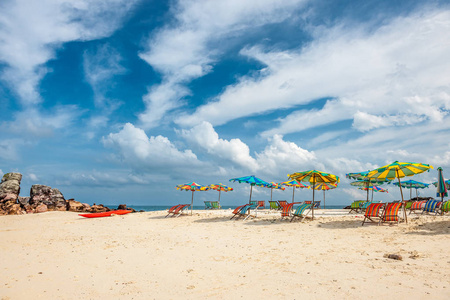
{"x": 192, "y": 201}
{"x": 314, "y": 188}
{"x": 271, "y": 192}
{"x": 410, "y": 191}
{"x": 372, "y": 194}
{"x": 367, "y": 191}
{"x": 219, "y": 199}
{"x": 293, "y": 192}
{"x": 401, "y": 192}
{"x": 323, "y": 199}
{"x": 251, "y": 189}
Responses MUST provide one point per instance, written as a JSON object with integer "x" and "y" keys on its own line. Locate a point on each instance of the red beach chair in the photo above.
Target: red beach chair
{"x": 417, "y": 205}
{"x": 282, "y": 203}
{"x": 177, "y": 210}
{"x": 287, "y": 210}
{"x": 237, "y": 211}
{"x": 373, "y": 211}
{"x": 390, "y": 213}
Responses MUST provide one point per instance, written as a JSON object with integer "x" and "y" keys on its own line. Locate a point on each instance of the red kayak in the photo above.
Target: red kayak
{"x": 106, "y": 213}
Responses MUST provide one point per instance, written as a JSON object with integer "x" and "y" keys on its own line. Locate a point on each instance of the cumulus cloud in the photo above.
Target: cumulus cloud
{"x": 150, "y": 154}
{"x": 278, "y": 157}
{"x": 399, "y": 70}
{"x": 188, "y": 48}
{"x": 32, "y": 31}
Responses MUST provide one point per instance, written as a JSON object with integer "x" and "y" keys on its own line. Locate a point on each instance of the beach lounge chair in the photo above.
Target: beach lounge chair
{"x": 177, "y": 210}
{"x": 237, "y": 210}
{"x": 300, "y": 211}
{"x": 286, "y": 211}
{"x": 273, "y": 205}
{"x": 282, "y": 203}
{"x": 208, "y": 205}
{"x": 417, "y": 206}
{"x": 355, "y": 206}
{"x": 246, "y": 211}
{"x": 261, "y": 204}
{"x": 390, "y": 212}
{"x": 373, "y": 211}
{"x": 445, "y": 207}
{"x": 215, "y": 205}
{"x": 316, "y": 204}
{"x": 431, "y": 206}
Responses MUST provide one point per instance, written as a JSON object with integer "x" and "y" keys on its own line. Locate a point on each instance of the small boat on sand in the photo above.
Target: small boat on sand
{"x": 106, "y": 213}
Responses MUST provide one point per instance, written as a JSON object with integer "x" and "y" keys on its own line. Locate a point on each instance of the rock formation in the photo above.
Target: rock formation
{"x": 42, "y": 198}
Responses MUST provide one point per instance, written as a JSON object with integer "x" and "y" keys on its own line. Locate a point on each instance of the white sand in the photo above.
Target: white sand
{"x": 59, "y": 255}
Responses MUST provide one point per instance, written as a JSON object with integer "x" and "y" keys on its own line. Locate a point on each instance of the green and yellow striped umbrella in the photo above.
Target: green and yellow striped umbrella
{"x": 399, "y": 170}
{"x": 314, "y": 177}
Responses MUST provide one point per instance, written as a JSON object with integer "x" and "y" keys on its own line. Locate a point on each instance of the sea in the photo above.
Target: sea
{"x": 200, "y": 207}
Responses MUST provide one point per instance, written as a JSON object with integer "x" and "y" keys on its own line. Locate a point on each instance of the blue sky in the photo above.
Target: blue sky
{"x": 118, "y": 101}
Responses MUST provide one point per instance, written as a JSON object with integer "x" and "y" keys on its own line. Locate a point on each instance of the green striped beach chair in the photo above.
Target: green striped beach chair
{"x": 300, "y": 212}
{"x": 445, "y": 208}
{"x": 215, "y": 205}
{"x": 273, "y": 205}
{"x": 355, "y": 206}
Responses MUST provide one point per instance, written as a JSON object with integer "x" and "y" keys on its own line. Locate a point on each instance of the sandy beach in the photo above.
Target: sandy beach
{"x": 59, "y": 255}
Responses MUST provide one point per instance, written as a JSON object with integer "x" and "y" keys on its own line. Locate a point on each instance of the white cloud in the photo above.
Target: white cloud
{"x": 32, "y": 177}
{"x": 150, "y": 154}
{"x": 32, "y": 31}
{"x": 399, "y": 70}
{"x": 188, "y": 48}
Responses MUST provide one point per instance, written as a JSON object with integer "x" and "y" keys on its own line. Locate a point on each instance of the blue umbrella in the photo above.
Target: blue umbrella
{"x": 252, "y": 180}
{"x": 412, "y": 184}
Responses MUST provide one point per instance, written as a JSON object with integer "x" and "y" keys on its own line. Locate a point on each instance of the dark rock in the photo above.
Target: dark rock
{"x": 23, "y": 200}
{"x": 394, "y": 256}
{"x": 122, "y": 206}
{"x": 10, "y": 187}
{"x": 142, "y": 210}
{"x": 12, "y": 208}
{"x": 98, "y": 208}
{"x": 42, "y": 194}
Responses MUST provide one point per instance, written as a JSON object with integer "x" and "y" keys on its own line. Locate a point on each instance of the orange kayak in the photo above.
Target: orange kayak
{"x": 106, "y": 213}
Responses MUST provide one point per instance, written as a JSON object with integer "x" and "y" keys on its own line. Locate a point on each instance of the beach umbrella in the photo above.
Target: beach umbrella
{"x": 325, "y": 186}
{"x": 295, "y": 185}
{"x": 367, "y": 183}
{"x": 363, "y": 181}
{"x": 441, "y": 187}
{"x": 314, "y": 177}
{"x": 253, "y": 181}
{"x": 193, "y": 187}
{"x": 399, "y": 170}
{"x": 374, "y": 188}
{"x": 447, "y": 184}
{"x": 221, "y": 188}
{"x": 412, "y": 184}
{"x": 276, "y": 186}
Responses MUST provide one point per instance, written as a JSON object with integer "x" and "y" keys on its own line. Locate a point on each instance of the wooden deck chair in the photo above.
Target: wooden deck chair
{"x": 445, "y": 207}
{"x": 273, "y": 205}
{"x": 390, "y": 212}
{"x": 286, "y": 211}
{"x": 208, "y": 205}
{"x": 373, "y": 211}
{"x": 430, "y": 206}
{"x": 307, "y": 202}
{"x": 261, "y": 204}
{"x": 177, "y": 210}
{"x": 282, "y": 203}
{"x": 215, "y": 205}
{"x": 237, "y": 210}
{"x": 316, "y": 204}
{"x": 355, "y": 206}
{"x": 417, "y": 206}
{"x": 300, "y": 211}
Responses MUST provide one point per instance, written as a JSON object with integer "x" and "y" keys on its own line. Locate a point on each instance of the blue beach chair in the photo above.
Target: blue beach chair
{"x": 300, "y": 211}
{"x": 431, "y": 206}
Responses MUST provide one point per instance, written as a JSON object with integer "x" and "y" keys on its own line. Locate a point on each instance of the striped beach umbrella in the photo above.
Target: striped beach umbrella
{"x": 221, "y": 188}
{"x": 314, "y": 177}
{"x": 412, "y": 184}
{"x": 399, "y": 170}
{"x": 441, "y": 186}
{"x": 193, "y": 187}
{"x": 374, "y": 188}
{"x": 253, "y": 181}
{"x": 295, "y": 185}
{"x": 276, "y": 186}
{"x": 325, "y": 186}
{"x": 367, "y": 183}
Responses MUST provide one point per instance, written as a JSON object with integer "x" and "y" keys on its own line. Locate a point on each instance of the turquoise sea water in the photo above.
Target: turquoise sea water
{"x": 165, "y": 207}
